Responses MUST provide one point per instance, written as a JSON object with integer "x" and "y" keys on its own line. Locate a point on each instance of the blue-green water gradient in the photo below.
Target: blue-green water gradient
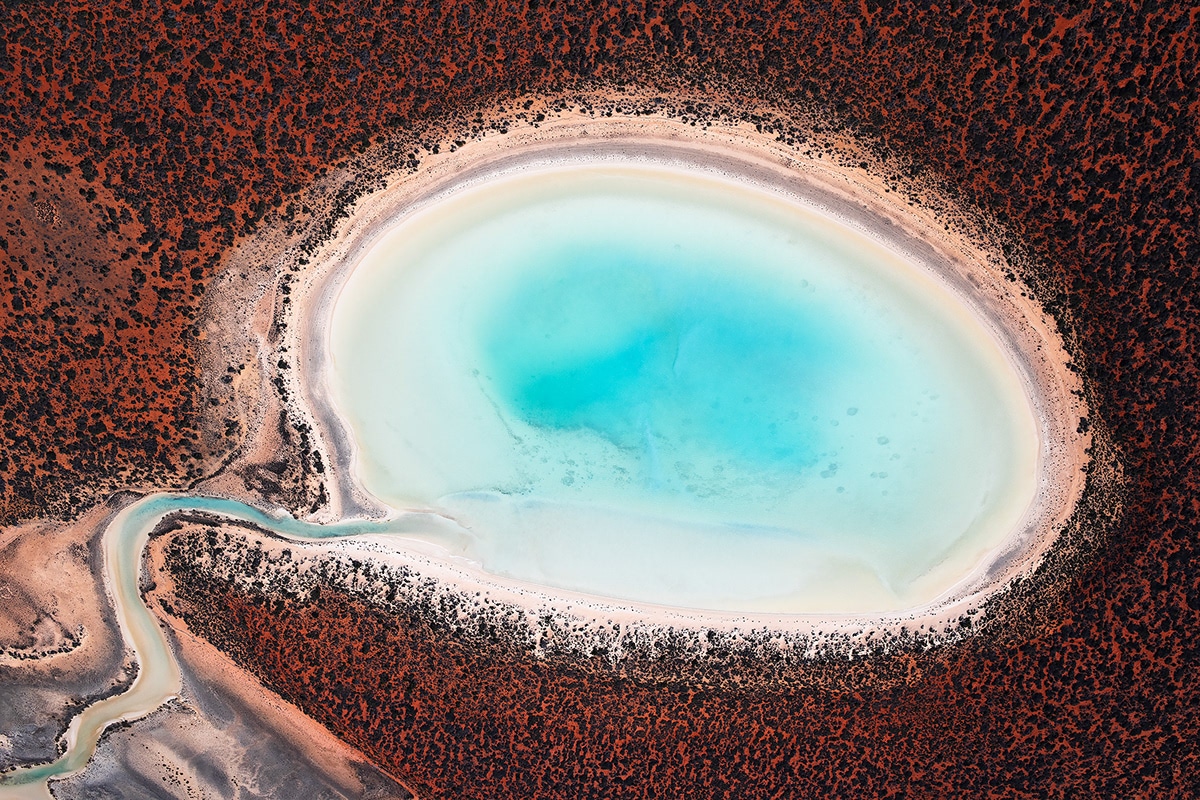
{"x": 652, "y": 385}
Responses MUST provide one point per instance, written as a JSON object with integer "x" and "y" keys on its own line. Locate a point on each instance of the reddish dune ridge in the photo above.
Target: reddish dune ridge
{"x": 141, "y": 140}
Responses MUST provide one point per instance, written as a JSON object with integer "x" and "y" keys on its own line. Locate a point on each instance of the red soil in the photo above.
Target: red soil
{"x": 1076, "y": 127}
{"x": 458, "y": 718}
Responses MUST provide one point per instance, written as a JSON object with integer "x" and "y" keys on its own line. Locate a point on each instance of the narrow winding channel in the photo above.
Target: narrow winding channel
{"x": 158, "y": 678}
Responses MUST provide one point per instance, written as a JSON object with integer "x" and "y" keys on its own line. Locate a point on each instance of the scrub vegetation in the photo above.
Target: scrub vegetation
{"x": 139, "y": 141}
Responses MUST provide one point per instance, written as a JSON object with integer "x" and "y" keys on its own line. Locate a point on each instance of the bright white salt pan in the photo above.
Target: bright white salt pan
{"x": 653, "y": 385}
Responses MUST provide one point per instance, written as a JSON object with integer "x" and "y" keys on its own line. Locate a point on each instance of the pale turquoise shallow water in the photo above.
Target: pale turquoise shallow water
{"x": 651, "y": 385}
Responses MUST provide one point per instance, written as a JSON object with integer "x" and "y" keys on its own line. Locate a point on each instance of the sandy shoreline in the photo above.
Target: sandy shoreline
{"x": 851, "y": 195}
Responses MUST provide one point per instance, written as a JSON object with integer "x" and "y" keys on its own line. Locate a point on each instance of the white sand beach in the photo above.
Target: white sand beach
{"x": 852, "y": 196}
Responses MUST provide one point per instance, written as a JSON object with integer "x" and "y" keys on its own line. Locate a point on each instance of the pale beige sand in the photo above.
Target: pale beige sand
{"x": 59, "y": 640}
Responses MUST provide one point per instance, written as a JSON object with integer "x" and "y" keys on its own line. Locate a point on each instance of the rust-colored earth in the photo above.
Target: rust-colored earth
{"x": 139, "y": 140}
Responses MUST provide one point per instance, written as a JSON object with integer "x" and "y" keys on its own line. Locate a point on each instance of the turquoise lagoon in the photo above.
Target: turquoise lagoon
{"x": 653, "y": 384}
